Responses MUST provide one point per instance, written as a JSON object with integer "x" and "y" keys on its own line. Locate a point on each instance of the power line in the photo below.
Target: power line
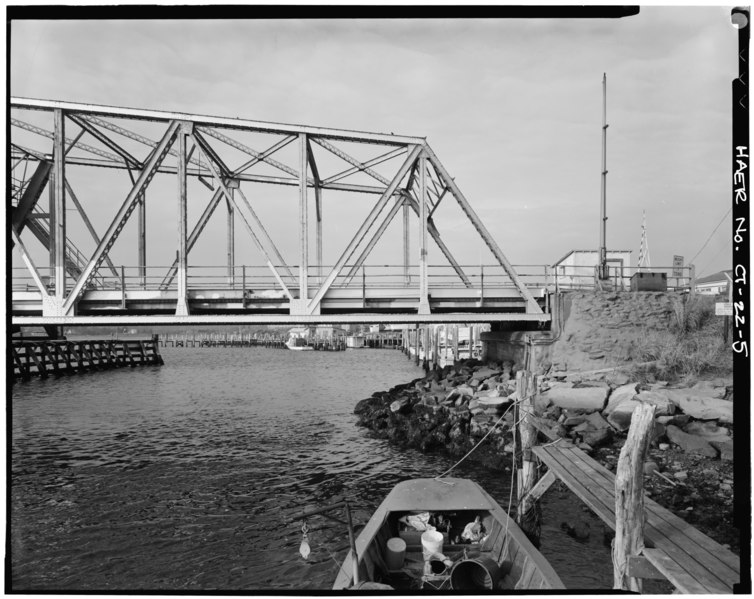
{"x": 726, "y": 247}
{"x": 710, "y": 236}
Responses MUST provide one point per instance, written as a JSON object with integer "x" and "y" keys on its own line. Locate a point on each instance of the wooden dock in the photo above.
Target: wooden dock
{"x": 674, "y": 549}
{"x": 58, "y": 357}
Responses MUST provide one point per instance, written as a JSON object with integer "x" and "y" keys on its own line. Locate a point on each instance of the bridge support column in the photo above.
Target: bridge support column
{"x": 181, "y": 308}
{"x": 231, "y": 236}
{"x": 142, "y": 240}
{"x": 423, "y": 282}
{"x": 303, "y": 215}
{"x": 58, "y": 228}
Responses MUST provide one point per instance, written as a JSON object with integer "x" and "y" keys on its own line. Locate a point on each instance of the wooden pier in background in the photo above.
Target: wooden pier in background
{"x": 58, "y": 357}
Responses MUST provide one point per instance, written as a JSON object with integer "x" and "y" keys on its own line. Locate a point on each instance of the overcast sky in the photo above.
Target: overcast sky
{"x": 512, "y": 108}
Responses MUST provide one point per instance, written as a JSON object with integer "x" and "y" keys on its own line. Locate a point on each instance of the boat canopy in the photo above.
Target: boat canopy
{"x": 429, "y": 494}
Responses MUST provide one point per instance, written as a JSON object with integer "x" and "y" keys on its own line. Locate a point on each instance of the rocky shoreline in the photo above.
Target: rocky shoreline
{"x": 689, "y": 466}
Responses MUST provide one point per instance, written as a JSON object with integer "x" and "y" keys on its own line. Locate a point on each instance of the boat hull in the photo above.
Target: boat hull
{"x": 504, "y": 559}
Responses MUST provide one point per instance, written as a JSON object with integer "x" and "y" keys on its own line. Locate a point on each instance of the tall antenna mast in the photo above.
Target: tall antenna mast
{"x": 603, "y": 274}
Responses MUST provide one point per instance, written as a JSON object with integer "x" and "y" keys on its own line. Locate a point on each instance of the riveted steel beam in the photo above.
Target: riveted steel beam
{"x": 230, "y": 123}
{"x": 29, "y": 264}
{"x": 145, "y": 177}
{"x": 317, "y": 204}
{"x": 172, "y": 170}
{"x": 51, "y": 135}
{"x": 375, "y": 238}
{"x": 303, "y": 220}
{"x": 250, "y": 229}
{"x": 373, "y": 162}
{"x": 31, "y": 195}
{"x": 531, "y": 304}
{"x": 182, "y": 308}
{"x": 366, "y": 225}
{"x": 88, "y": 223}
{"x": 432, "y": 230}
{"x": 130, "y": 134}
{"x": 350, "y": 159}
{"x": 93, "y": 131}
{"x": 258, "y": 156}
{"x": 58, "y": 229}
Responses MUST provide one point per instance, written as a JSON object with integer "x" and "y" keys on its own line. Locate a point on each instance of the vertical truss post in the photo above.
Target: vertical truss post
{"x": 181, "y": 308}
{"x": 51, "y": 244}
{"x": 59, "y": 230}
{"x": 142, "y": 233}
{"x": 532, "y": 307}
{"x": 423, "y": 283}
{"x": 303, "y": 215}
{"x": 318, "y": 200}
{"x": 231, "y": 238}
{"x": 318, "y": 206}
{"x": 406, "y": 241}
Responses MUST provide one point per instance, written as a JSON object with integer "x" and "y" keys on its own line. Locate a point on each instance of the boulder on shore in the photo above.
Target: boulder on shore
{"x": 701, "y": 407}
{"x": 589, "y": 399}
{"x": 690, "y": 443}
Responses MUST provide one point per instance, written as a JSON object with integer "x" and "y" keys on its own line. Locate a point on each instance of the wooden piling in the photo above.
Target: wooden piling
{"x": 526, "y": 516}
{"x": 629, "y": 498}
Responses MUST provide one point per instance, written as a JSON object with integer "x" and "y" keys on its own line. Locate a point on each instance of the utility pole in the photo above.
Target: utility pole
{"x": 603, "y": 274}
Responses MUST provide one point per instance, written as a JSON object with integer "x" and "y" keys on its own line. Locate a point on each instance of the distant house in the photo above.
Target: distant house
{"x": 577, "y": 267}
{"x": 716, "y": 284}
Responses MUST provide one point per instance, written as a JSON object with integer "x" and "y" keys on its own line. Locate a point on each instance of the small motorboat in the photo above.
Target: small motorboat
{"x": 298, "y": 344}
{"x": 474, "y": 546}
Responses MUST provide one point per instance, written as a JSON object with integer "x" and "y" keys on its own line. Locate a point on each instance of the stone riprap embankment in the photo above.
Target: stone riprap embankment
{"x": 601, "y": 328}
{"x": 689, "y": 466}
{"x": 452, "y": 408}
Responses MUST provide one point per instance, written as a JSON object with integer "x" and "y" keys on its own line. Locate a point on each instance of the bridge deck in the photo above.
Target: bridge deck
{"x": 690, "y": 560}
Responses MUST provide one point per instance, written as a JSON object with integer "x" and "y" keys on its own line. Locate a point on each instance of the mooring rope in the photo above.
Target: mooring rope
{"x": 489, "y": 432}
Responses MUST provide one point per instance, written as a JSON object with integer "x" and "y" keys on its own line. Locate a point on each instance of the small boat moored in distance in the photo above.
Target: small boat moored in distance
{"x": 469, "y": 543}
{"x": 298, "y": 344}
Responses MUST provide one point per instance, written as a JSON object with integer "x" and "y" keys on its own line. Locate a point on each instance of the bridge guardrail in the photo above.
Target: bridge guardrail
{"x": 259, "y": 278}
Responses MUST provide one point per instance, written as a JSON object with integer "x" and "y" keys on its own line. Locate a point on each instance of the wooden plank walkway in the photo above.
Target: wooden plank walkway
{"x": 690, "y": 560}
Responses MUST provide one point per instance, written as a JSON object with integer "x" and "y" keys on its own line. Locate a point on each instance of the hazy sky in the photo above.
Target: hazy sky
{"x": 512, "y": 108}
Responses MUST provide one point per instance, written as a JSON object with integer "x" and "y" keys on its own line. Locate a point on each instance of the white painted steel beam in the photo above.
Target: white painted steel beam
{"x": 237, "y": 123}
{"x": 30, "y": 266}
{"x": 423, "y": 282}
{"x": 255, "y": 238}
{"x": 51, "y": 135}
{"x": 532, "y": 305}
{"x": 303, "y": 220}
{"x": 124, "y": 212}
{"x": 366, "y": 225}
{"x": 258, "y": 156}
{"x": 373, "y": 162}
{"x": 130, "y": 134}
{"x": 278, "y": 319}
{"x": 93, "y": 131}
{"x": 88, "y": 223}
{"x": 317, "y": 205}
{"x": 413, "y": 203}
{"x": 172, "y": 170}
{"x": 182, "y": 308}
{"x": 375, "y": 238}
{"x": 58, "y": 231}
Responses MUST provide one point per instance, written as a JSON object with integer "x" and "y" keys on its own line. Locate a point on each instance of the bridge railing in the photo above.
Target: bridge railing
{"x": 257, "y": 278}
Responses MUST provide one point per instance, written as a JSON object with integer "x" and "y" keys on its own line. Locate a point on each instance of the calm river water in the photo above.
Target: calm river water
{"x": 182, "y": 477}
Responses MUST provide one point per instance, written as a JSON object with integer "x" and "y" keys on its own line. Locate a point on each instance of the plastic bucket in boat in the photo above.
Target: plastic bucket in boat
{"x": 475, "y": 574}
{"x": 431, "y": 543}
{"x": 396, "y": 553}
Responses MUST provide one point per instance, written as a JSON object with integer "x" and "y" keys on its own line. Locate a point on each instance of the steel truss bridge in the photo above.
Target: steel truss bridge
{"x": 50, "y": 140}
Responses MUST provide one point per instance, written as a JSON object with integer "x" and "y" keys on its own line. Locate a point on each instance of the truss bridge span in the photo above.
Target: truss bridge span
{"x": 70, "y": 250}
